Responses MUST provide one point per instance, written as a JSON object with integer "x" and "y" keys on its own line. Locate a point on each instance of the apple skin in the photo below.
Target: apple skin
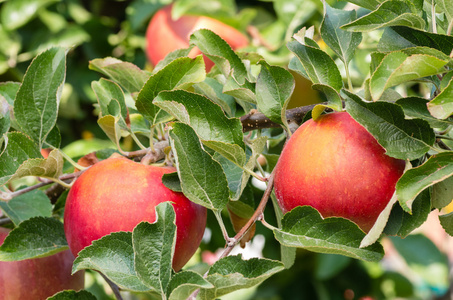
{"x": 116, "y": 194}
{"x": 165, "y": 35}
{"x": 336, "y": 166}
{"x": 37, "y": 278}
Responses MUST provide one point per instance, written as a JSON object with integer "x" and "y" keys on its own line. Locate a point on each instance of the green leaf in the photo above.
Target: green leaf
{"x": 26, "y": 206}
{"x": 368, "y": 4}
{"x": 113, "y": 256}
{"x": 111, "y": 126}
{"x": 304, "y": 227}
{"x": 389, "y": 13}
{"x": 18, "y": 148}
{"x": 436, "y": 169}
{"x": 73, "y": 295}
{"x": 244, "y": 92}
{"x": 398, "y": 67}
{"x": 342, "y": 42}
{"x": 232, "y": 273}
{"x": 446, "y": 7}
{"x": 50, "y": 167}
{"x": 126, "y": 74}
{"x": 447, "y": 223}
{"x": 184, "y": 283}
{"x": 154, "y": 246}
{"x": 318, "y": 65}
{"x": 274, "y": 87}
{"x": 36, "y": 103}
{"x": 205, "y": 117}
{"x": 5, "y": 119}
{"x": 329, "y": 265}
{"x": 33, "y": 238}
{"x": 401, "y": 138}
{"x": 212, "y": 89}
{"x": 106, "y": 91}
{"x": 401, "y": 223}
{"x": 217, "y": 50}
{"x": 179, "y": 74}
{"x": 15, "y": 14}
{"x": 416, "y": 37}
{"x": 202, "y": 178}
{"x": 9, "y": 90}
{"x": 416, "y": 108}
{"x": 441, "y": 107}
{"x": 442, "y": 193}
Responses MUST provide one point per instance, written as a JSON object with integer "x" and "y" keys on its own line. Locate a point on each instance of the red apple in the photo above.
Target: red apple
{"x": 165, "y": 35}
{"x": 116, "y": 194}
{"x": 336, "y": 166}
{"x": 37, "y": 278}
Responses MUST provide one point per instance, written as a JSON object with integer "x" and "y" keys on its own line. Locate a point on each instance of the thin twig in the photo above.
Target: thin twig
{"x": 113, "y": 286}
{"x": 4, "y": 221}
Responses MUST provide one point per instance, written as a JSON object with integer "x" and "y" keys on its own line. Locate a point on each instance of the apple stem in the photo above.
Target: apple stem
{"x": 113, "y": 286}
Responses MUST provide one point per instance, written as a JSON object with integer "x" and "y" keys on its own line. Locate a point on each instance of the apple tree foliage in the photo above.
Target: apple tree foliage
{"x": 214, "y": 126}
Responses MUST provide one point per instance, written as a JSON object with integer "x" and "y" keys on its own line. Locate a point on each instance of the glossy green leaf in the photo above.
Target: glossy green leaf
{"x": 318, "y": 65}
{"x": 398, "y": 67}
{"x": 442, "y": 193}
{"x": 447, "y": 223}
{"x": 212, "y": 89}
{"x": 441, "y": 107}
{"x": 416, "y": 108}
{"x": 401, "y": 138}
{"x": 36, "y": 103}
{"x": 342, "y": 42}
{"x": 106, "y": 91}
{"x": 128, "y": 75}
{"x": 50, "y": 167}
{"x": 73, "y": 295}
{"x": 220, "y": 53}
{"x": 274, "y": 87}
{"x": 33, "y": 238}
{"x": 179, "y": 74}
{"x": 304, "y": 227}
{"x": 154, "y": 246}
{"x": 216, "y": 8}
{"x": 111, "y": 126}
{"x": 436, "y": 169}
{"x": 9, "y": 90}
{"x": 244, "y": 92}
{"x": 184, "y": 283}
{"x": 202, "y": 178}
{"x": 402, "y": 223}
{"x": 18, "y": 149}
{"x": 205, "y": 117}
{"x": 232, "y": 273}
{"x": 417, "y": 37}
{"x": 23, "y": 207}
{"x": 113, "y": 256}
{"x": 17, "y": 13}
{"x": 389, "y": 13}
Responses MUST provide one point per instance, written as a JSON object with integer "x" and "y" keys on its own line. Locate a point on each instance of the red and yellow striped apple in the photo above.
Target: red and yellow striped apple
{"x": 165, "y": 35}
{"x": 116, "y": 194}
{"x": 336, "y": 166}
{"x": 37, "y": 278}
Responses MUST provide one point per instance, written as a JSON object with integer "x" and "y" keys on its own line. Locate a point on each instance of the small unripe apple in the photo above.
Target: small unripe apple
{"x": 336, "y": 166}
{"x": 116, "y": 194}
{"x": 37, "y": 278}
{"x": 165, "y": 35}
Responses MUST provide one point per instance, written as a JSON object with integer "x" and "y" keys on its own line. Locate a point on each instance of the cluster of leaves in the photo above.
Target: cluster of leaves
{"x": 215, "y": 159}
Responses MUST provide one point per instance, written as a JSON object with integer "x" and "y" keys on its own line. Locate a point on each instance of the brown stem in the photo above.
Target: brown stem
{"x": 256, "y": 120}
{"x": 113, "y": 286}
